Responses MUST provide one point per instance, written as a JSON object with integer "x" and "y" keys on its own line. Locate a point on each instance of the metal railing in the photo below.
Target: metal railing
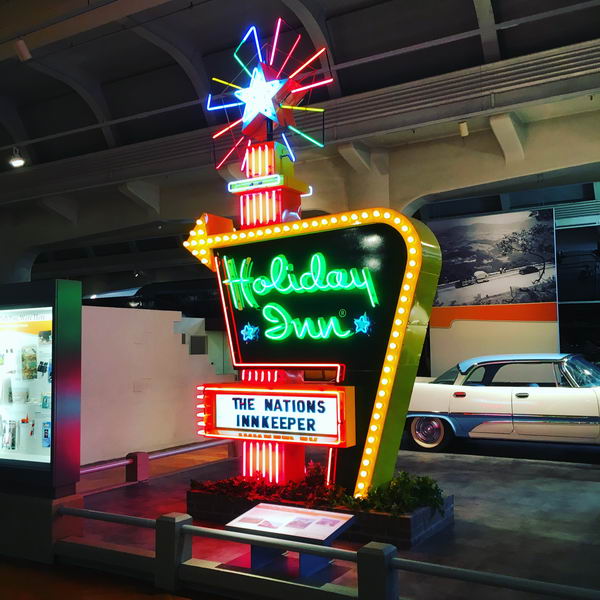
{"x": 135, "y": 457}
{"x": 173, "y": 567}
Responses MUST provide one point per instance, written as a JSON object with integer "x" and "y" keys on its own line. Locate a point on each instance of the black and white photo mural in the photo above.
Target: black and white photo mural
{"x": 505, "y": 258}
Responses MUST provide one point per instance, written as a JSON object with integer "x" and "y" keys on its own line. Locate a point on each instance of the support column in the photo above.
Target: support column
{"x": 368, "y": 181}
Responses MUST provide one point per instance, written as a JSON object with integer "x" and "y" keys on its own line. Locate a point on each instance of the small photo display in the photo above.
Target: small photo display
{"x": 29, "y": 363}
{"x": 299, "y": 523}
{"x": 251, "y": 520}
{"x": 328, "y": 522}
{"x": 45, "y": 337}
{"x": 270, "y": 524}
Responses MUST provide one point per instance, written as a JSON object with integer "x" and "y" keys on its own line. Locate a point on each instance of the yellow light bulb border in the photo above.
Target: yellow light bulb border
{"x": 395, "y": 343}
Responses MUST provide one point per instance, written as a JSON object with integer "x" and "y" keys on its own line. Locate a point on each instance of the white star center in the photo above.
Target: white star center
{"x": 258, "y": 97}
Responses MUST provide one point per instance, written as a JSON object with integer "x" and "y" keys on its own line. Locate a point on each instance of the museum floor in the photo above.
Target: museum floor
{"x": 524, "y": 517}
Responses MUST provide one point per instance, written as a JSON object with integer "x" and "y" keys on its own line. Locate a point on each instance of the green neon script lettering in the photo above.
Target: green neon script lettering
{"x": 283, "y": 279}
{"x": 240, "y": 283}
{"x": 284, "y": 325}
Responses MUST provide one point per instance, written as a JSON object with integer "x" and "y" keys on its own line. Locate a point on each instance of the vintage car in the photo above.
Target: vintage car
{"x": 528, "y": 269}
{"x": 535, "y": 397}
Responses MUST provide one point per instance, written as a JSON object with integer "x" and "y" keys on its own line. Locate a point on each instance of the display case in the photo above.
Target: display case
{"x": 40, "y": 383}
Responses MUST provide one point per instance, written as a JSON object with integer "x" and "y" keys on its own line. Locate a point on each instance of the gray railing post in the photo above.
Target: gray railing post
{"x": 172, "y": 547}
{"x": 377, "y": 579}
{"x": 139, "y": 469}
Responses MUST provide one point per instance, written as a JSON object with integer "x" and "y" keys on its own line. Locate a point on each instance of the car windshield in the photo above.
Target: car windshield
{"x": 583, "y": 372}
{"x": 449, "y": 377}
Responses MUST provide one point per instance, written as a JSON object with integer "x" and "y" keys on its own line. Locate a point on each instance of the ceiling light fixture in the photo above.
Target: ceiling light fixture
{"x": 16, "y": 160}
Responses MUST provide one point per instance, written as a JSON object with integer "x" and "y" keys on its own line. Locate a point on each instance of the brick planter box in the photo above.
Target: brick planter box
{"x": 404, "y": 531}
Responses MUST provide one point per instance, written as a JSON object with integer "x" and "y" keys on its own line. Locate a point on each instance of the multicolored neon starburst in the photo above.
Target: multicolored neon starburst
{"x": 277, "y": 85}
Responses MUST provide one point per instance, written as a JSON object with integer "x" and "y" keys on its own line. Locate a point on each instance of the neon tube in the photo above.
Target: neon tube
{"x": 288, "y": 57}
{"x": 306, "y": 137}
{"x": 244, "y": 466}
{"x": 260, "y": 165}
{"x": 225, "y": 129}
{"x": 308, "y": 108}
{"x": 311, "y": 59}
{"x": 239, "y": 60}
{"x": 230, "y": 153}
{"x": 209, "y": 107}
{"x": 312, "y": 85}
{"x": 275, "y": 40}
{"x": 291, "y": 156}
{"x": 237, "y": 87}
{"x": 254, "y": 183}
{"x": 267, "y": 217}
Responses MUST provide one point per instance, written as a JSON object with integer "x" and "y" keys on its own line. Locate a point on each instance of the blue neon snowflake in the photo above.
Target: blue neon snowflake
{"x": 362, "y": 324}
{"x": 249, "y": 332}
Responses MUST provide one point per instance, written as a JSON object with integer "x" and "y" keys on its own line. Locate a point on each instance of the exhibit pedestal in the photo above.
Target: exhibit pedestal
{"x": 308, "y": 564}
{"x": 30, "y": 525}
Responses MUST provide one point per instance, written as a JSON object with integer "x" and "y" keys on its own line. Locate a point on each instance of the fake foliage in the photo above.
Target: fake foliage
{"x": 403, "y": 494}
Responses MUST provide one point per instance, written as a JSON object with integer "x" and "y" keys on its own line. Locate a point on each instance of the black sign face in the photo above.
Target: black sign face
{"x": 319, "y": 298}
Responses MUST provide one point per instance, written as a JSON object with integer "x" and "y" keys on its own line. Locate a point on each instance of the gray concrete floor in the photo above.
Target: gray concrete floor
{"x": 537, "y": 519}
{"x": 526, "y": 518}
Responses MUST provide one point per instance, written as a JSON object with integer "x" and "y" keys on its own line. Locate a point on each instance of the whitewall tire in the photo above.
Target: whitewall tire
{"x": 430, "y": 434}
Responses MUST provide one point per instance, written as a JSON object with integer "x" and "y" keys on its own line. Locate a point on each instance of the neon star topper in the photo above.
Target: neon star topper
{"x": 269, "y": 100}
{"x": 258, "y": 97}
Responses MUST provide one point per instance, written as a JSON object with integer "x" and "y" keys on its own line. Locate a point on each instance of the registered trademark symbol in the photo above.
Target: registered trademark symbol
{"x": 342, "y": 312}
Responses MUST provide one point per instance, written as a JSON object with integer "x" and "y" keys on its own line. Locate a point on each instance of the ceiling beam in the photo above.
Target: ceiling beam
{"x": 62, "y": 206}
{"x": 510, "y": 133}
{"x": 84, "y": 85}
{"x": 487, "y": 28}
{"x": 310, "y": 14}
{"x": 548, "y": 76}
{"x": 548, "y": 14}
{"x": 183, "y": 50}
{"x": 43, "y": 23}
{"x": 357, "y": 155}
{"x": 144, "y": 194}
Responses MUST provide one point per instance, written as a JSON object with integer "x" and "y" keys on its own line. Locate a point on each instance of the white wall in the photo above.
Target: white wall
{"x": 466, "y": 339}
{"x": 138, "y": 383}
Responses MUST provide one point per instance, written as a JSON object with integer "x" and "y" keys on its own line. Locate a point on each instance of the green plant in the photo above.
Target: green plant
{"x": 312, "y": 490}
{"x": 402, "y": 494}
